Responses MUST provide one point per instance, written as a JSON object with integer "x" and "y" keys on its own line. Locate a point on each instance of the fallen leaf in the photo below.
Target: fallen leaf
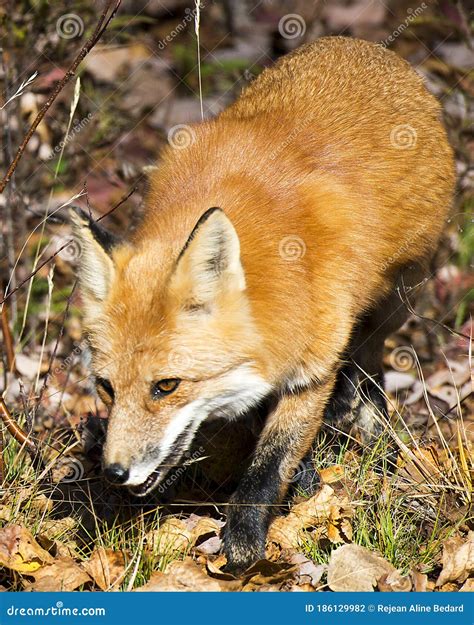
{"x": 106, "y": 567}
{"x": 332, "y": 474}
{"x": 171, "y": 536}
{"x": 353, "y": 568}
{"x": 394, "y": 582}
{"x": 63, "y": 575}
{"x": 307, "y": 572}
{"x": 53, "y": 528}
{"x": 105, "y": 63}
{"x": 29, "y": 366}
{"x": 179, "y": 535}
{"x": 458, "y": 559}
{"x": 181, "y": 576}
{"x": 266, "y": 575}
{"x": 20, "y": 552}
{"x": 468, "y": 585}
{"x": 324, "y": 512}
{"x": 420, "y": 581}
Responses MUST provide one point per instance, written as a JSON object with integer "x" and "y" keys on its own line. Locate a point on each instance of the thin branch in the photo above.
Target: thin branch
{"x": 120, "y": 202}
{"x": 104, "y": 20}
{"x": 15, "y": 430}
{"x": 7, "y": 340}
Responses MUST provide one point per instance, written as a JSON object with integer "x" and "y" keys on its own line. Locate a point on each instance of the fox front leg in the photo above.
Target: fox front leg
{"x": 285, "y": 439}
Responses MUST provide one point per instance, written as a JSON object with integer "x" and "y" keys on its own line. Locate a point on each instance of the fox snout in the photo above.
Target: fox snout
{"x": 135, "y": 455}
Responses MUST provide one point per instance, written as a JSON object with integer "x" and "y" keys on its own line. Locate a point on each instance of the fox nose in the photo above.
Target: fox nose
{"x": 116, "y": 473}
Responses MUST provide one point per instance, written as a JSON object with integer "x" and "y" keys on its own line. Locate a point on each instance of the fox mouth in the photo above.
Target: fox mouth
{"x": 169, "y": 462}
{"x": 151, "y": 482}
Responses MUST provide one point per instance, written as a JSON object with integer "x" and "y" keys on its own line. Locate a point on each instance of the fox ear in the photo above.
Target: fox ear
{"x": 209, "y": 263}
{"x": 96, "y": 268}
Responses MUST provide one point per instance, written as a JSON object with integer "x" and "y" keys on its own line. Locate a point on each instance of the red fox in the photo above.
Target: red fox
{"x": 269, "y": 264}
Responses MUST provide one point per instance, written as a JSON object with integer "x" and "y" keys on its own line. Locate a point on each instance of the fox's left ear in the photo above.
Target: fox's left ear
{"x": 209, "y": 263}
{"x": 96, "y": 268}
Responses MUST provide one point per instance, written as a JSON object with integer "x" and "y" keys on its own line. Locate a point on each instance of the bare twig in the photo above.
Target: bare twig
{"x": 56, "y": 345}
{"x": 120, "y": 202}
{"x": 7, "y": 340}
{"x": 104, "y": 20}
{"x": 15, "y": 430}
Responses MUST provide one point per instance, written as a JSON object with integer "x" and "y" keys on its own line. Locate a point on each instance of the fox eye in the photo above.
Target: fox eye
{"x": 164, "y": 387}
{"x": 106, "y": 386}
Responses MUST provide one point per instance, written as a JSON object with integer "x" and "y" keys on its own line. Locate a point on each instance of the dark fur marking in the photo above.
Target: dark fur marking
{"x": 247, "y": 525}
{"x": 103, "y": 237}
{"x": 204, "y": 217}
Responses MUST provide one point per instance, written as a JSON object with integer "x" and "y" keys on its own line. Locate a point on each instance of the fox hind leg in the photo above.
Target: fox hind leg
{"x": 358, "y": 399}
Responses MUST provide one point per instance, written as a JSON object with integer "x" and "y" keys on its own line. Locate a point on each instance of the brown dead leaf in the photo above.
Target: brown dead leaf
{"x": 420, "y": 581}
{"x": 63, "y": 575}
{"x": 264, "y": 575}
{"x": 106, "y": 567}
{"x": 179, "y": 535}
{"x": 42, "y": 503}
{"x": 52, "y": 528}
{"x": 325, "y": 512}
{"x": 353, "y": 568}
{"x": 172, "y": 535}
{"x": 394, "y": 582}
{"x": 20, "y": 552}
{"x": 307, "y": 572}
{"x": 181, "y": 576}
{"x": 468, "y": 585}
{"x": 332, "y": 474}
{"x": 458, "y": 559}
{"x": 421, "y": 465}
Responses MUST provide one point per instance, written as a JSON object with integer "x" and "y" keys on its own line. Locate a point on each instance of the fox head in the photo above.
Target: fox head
{"x": 172, "y": 339}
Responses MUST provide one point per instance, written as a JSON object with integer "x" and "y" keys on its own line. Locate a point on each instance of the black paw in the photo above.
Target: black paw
{"x": 244, "y": 540}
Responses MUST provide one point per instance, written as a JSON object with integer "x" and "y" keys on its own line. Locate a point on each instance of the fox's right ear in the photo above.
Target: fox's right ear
{"x": 96, "y": 268}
